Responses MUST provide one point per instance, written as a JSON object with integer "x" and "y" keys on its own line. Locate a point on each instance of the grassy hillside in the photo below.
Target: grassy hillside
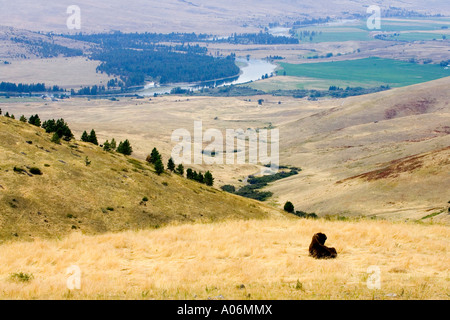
{"x": 263, "y": 259}
{"x": 403, "y": 132}
{"x": 106, "y": 195}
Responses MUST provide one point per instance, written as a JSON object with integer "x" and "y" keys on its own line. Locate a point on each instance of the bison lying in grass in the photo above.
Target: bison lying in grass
{"x": 318, "y": 250}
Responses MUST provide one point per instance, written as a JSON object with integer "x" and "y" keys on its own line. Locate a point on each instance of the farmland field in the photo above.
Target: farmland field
{"x": 411, "y": 30}
{"x": 371, "y": 71}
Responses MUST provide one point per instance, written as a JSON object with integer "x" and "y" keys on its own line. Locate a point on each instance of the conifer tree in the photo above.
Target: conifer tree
{"x": 189, "y": 173}
{"x": 180, "y": 169}
{"x": 159, "y": 167}
{"x": 93, "y": 137}
{"x": 125, "y": 148}
{"x": 209, "y": 180}
{"x": 154, "y": 156}
{"x": 35, "y": 120}
{"x": 171, "y": 165}
{"x": 113, "y": 144}
{"x": 107, "y": 146}
{"x": 85, "y": 137}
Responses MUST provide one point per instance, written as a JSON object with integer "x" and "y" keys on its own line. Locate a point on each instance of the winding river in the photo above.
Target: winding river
{"x": 251, "y": 70}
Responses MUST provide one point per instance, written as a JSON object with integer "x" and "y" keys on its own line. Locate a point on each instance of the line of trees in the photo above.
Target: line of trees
{"x": 27, "y": 88}
{"x": 259, "y": 38}
{"x": 88, "y": 91}
{"x": 155, "y": 159}
{"x": 289, "y": 207}
{"x": 207, "y": 178}
{"x": 136, "y": 40}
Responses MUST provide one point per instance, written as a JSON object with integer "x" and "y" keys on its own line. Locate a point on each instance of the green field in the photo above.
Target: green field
{"x": 334, "y": 34}
{"x": 367, "y": 72}
{"x": 358, "y": 31}
{"x": 420, "y": 36}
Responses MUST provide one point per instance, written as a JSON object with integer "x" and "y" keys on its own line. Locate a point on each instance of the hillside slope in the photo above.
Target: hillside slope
{"x": 362, "y": 135}
{"x": 106, "y": 195}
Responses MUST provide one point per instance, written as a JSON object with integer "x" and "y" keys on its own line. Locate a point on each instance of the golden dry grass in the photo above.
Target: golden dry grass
{"x": 269, "y": 257}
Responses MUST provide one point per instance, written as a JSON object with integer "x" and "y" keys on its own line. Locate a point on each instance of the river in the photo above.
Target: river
{"x": 251, "y": 70}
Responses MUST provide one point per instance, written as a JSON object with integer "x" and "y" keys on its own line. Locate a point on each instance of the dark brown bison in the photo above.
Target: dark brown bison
{"x": 318, "y": 250}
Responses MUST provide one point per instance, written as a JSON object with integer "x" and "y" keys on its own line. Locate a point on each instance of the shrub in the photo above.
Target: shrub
{"x": 289, "y": 207}
{"x": 306, "y": 215}
{"x": 56, "y": 138}
{"x": 18, "y": 170}
{"x": 35, "y": 171}
{"x": 145, "y": 199}
{"x": 228, "y": 188}
{"x": 22, "y": 277}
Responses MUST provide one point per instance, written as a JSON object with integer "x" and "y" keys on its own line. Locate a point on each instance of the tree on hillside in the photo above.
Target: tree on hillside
{"x": 23, "y": 119}
{"x": 93, "y": 137}
{"x": 106, "y": 146}
{"x": 171, "y": 165}
{"x": 63, "y": 130}
{"x": 289, "y": 207}
{"x": 35, "y": 120}
{"x": 189, "y": 173}
{"x": 200, "y": 178}
{"x": 113, "y": 144}
{"x": 209, "y": 180}
{"x": 154, "y": 156}
{"x": 159, "y": 167}
{"x": 180, "y": 170}
{"x": 125, "y": 148}
{"x": 56, "y": 138}
{"x": 85, "y": 137}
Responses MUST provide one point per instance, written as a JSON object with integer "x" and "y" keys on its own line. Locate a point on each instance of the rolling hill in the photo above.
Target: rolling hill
{"x": 383, "y": 154}
{"x": 104, "y": 196}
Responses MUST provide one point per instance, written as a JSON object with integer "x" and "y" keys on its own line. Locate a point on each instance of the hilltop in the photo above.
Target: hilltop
{"x": 104, "y": 196}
